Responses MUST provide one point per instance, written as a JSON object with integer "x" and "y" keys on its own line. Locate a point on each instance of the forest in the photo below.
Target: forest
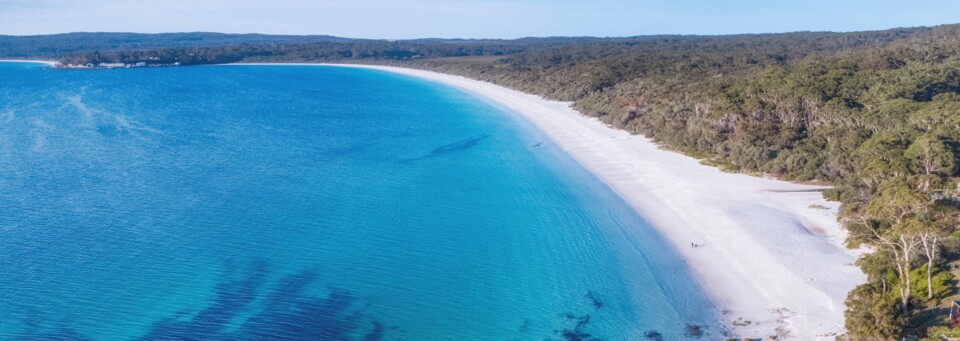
{"x": 874, "y": 114}
{"x": 59, "y": 45}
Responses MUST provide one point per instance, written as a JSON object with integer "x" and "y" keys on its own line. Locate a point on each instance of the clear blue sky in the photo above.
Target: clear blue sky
{"x": 470, "y": 18}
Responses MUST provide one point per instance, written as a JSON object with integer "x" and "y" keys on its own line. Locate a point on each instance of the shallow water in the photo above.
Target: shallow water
{"x": 299, "y": 202}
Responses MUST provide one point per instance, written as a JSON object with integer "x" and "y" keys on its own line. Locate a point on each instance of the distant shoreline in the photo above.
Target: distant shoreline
{"x": 766, "y": 250}
{"x": 49, "y": 63}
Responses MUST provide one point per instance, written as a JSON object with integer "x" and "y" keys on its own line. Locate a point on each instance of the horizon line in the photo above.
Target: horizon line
{"x": 480, "y": 39}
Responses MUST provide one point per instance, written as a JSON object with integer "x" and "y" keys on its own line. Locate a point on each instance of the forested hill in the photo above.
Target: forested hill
{"x": 760, "y": 103}
{"x": 59, "y": 45}
{"x": 877, "y": 114}
{"x": 117, "y": 46}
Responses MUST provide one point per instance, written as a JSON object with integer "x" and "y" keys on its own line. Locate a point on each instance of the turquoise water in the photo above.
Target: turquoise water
{"x": 298, "y": 202}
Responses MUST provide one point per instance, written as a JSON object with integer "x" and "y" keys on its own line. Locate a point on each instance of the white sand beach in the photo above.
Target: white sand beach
{"x": 770, "y": 252}
{"x": 49, "y": 63}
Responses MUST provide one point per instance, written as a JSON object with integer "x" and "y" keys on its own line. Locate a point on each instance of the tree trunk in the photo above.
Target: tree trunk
{"x": 904, "y": 266}
{"x": 930, "y": 248}
{"x": 905, "y": 287}
{"x": 905, "y": 292}
{"x": 902, "y": 251}
{"x": 904, "y": 281}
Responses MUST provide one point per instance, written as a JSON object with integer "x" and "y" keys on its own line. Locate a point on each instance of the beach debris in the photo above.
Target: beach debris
{"x": 782, "y": 331}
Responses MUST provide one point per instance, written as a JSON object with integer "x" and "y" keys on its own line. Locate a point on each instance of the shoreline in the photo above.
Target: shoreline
{"x": 770, "y": 253}
{"x": 47, "y": 62}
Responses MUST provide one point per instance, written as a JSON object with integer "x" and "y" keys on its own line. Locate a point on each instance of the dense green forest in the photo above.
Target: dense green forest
{"x": 59, "y": 45}
{"x": 876, "y": 114}
{"x": 315, "y": 49}
{"x": 305, "y": 52}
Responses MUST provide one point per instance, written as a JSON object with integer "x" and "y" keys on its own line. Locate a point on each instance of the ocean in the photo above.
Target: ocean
{"x": 310, "y": 203}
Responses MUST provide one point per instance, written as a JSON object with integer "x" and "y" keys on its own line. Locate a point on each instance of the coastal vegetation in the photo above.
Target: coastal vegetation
{"x": 876, "y": 115}
{"x": 59, "y": 45}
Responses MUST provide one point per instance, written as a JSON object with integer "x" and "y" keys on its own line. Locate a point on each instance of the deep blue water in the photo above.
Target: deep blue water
{"x": 267, "y": 202}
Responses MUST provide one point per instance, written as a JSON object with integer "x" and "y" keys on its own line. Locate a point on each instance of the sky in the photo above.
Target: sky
{"x": 396, "y": 19}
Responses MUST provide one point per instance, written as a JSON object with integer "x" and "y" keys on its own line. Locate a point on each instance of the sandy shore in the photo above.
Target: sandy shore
{"x": 770, "y": 252}
{"x": 49, "y": 63}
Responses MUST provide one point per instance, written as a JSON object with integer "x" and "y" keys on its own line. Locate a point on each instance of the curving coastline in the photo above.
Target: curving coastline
{"x": 47, "y": 62}
{"x": 769, "y": 252}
